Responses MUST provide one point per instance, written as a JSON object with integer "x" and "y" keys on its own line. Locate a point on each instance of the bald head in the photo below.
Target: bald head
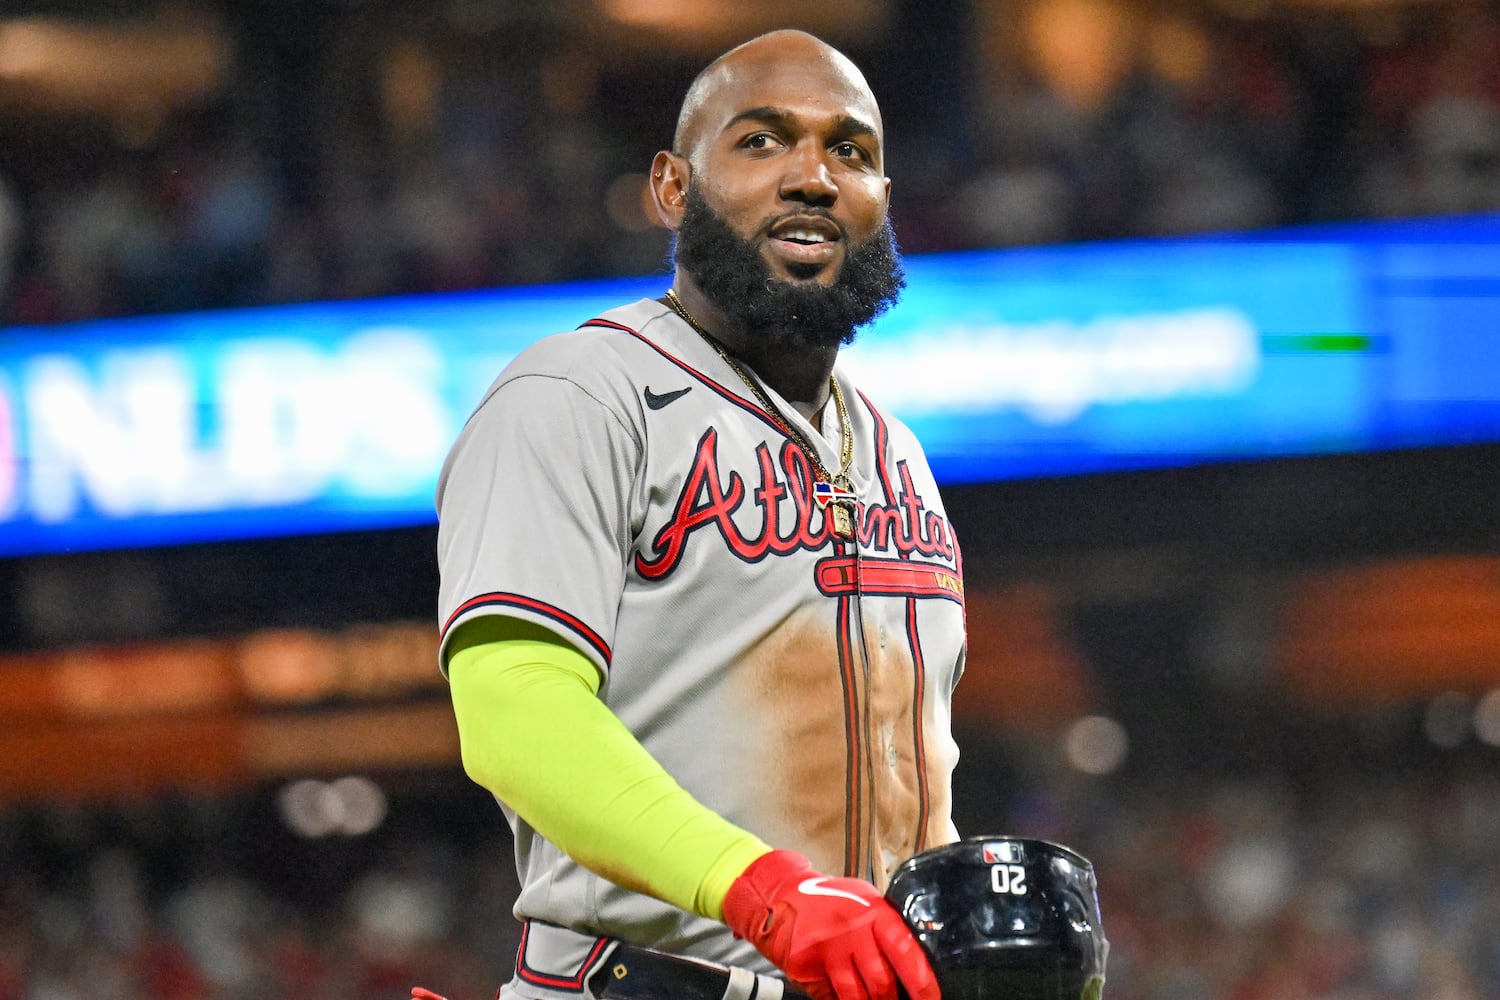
{"x": 804, "y": 59}
{"x": 778, "y": 169}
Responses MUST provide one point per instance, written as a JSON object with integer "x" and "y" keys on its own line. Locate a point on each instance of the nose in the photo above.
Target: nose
{"x": 807, "y": 178}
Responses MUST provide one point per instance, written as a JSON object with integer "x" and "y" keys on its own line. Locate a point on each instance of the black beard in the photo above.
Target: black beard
{"x": 730, "y": 272}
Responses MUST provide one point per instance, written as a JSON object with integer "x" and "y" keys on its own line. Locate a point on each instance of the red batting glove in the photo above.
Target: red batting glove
{"x": 419, "y": 993}
{"x": 837, "y": 938}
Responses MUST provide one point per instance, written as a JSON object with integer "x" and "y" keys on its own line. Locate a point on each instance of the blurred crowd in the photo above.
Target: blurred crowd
{"x": 211, "y": 897}
{"x": 407, "y": 157}
{"x": 1374, "y": 889}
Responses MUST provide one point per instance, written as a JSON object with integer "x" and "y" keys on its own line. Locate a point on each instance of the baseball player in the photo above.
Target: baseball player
{"x": 702, "y": 611}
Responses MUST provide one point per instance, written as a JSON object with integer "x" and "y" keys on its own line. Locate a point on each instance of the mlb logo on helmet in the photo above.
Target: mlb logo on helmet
{"x": 1002, "y": 853}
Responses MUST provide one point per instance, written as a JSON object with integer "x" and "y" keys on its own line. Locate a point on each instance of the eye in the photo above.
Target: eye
{"x": 761, "y": 140}
{"x": 847, "y": 150}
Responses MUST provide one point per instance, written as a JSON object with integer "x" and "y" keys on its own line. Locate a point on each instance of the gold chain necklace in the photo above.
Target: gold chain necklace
{"x": 833, "y": 492}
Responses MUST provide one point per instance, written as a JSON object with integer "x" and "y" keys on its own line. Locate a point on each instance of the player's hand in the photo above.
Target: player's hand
{"x": 836, "y": 938}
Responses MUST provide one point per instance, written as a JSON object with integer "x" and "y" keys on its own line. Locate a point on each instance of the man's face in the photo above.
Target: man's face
{"x": 786, "y": 154}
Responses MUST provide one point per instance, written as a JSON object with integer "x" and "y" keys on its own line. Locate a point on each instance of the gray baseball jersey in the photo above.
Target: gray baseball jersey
{"x": 620, "y": 485}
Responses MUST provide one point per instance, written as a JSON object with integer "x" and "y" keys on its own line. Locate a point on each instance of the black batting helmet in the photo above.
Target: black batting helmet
{"x": 1005, "y": 918}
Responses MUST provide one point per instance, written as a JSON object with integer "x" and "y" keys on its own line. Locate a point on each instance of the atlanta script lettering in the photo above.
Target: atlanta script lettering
{"x": 708, "y": 500}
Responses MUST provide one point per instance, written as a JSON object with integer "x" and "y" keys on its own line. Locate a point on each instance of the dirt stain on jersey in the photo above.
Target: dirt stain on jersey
{"x": 793, "y": 684}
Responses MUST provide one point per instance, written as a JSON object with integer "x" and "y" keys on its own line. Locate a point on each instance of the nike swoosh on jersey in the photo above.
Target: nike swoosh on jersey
{"x": 656, "y": 402}
{"x": 815, "y": 887}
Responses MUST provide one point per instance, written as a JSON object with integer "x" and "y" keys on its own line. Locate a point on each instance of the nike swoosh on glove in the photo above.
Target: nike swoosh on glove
{"x": 836, "y": 938}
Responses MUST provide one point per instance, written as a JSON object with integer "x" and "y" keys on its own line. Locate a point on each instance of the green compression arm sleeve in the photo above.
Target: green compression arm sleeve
{"x": 533, "y": 731}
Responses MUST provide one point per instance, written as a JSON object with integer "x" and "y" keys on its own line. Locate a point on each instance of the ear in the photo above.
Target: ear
{"x": 670, "y": 175}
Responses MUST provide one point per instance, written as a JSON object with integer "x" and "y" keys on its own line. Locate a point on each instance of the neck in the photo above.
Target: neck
{"x": 799, "y": 374}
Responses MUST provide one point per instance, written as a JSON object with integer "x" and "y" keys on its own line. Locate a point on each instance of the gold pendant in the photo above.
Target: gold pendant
{"x": 843, "y": 518}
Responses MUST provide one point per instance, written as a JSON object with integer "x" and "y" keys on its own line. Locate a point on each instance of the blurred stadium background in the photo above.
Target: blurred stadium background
{"x": 1261, "y": 691}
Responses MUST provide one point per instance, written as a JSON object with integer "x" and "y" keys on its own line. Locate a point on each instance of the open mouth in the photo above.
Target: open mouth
{"x": 804, "y": 237}
{"x": 807, "y": 229}
{"x": 806, "y": 243}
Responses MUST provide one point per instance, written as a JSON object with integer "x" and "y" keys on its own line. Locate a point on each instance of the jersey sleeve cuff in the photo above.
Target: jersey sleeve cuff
{"x": 500, "y": 606}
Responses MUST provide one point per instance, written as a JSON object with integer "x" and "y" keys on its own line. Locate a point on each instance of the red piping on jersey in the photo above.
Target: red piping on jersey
{"x": 919, "y": 746}
{"x": 854, "y": 792}
{"x": 572, "y": 983}
{"x": 743, "y": 404}
{"x": 882, "y": 435}
{"x": 837, "y": 576}
{"x": 504, "y": 600}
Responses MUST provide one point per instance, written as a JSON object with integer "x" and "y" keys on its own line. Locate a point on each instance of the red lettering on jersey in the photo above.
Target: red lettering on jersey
{"x": 799, "y": 487}
{"x": 707, "y": 498}
{"x": 690, "y": 514}
{"x": 926, "y": 533}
